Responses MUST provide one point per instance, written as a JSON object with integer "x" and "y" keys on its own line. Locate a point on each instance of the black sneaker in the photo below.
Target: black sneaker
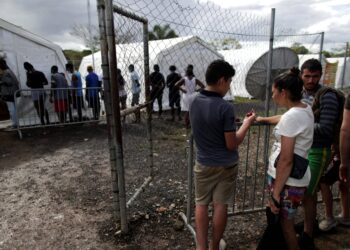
{"x": 306, "y": 242}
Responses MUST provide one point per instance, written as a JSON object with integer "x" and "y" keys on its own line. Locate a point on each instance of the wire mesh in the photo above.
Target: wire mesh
{"x": 183, "y": 34}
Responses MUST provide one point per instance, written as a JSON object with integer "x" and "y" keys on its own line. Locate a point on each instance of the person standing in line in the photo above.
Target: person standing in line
{"x": 216, "y": 138}
{"x": 135, "y": 90}
{"x": 157, "y": 82}
{"x": 8, "y": 87}
{"x": 122, "y": 92}
{"x": 338, "y": 171}
{"x": 187, "y": 85}
{"x": 76, "y": 90}
{"x": 59, "y": 94}
{"x": 287, "y": 190}
{"x": 93, "y": 87}
{"x": 344, "y": 169}
{"x": 320, "y": 153}
{"x": 36, "y": 81}
{"x": 174, "y": 93}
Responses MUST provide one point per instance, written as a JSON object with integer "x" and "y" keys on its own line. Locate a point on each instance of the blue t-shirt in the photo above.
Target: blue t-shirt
{"x": 78, "y": 84}
{"x": 93, "y": 83}
{"x": 211, "y": 116}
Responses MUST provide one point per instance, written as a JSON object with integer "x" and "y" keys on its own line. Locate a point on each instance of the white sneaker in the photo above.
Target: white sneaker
{"x": 222, "y": 245}
{"x": 343, "y": 221}
{"x": 327, "y": 224}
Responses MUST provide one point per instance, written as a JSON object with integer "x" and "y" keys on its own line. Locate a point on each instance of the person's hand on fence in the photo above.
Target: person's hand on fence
{"x": 250, "y": 117}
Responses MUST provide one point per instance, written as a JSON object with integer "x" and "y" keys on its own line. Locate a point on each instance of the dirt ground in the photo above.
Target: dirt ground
{"x": 56, "y": 192}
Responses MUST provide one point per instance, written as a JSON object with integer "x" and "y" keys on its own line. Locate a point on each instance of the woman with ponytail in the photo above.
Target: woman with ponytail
{"x": 293, "y": 138}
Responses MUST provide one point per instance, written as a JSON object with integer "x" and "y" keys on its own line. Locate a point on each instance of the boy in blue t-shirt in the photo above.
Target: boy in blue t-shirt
{"x": 216, "y": 138}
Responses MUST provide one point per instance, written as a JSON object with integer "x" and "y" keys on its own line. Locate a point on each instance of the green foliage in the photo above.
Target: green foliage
{"x": 75, "y": 57}
{"x": 327, "y": 53}
{"x": 300, "y": 49}
{"x": 336, "y": 52}
{"x": 161, "y": 32}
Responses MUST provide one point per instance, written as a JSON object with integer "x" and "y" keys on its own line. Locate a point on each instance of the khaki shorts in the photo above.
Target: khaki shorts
{"x": 214, "y": 184}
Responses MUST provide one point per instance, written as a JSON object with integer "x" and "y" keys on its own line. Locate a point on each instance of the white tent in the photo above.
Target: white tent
{"x": 340, "y": 72}
{"x": 251, "y": 67}
{"x": 177, "y": 51}
{"x": 242, "y": 60}
{"x": 18, "y": 45}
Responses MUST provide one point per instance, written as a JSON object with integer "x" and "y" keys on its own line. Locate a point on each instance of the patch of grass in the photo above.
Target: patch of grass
{"x": 239, "y": 99}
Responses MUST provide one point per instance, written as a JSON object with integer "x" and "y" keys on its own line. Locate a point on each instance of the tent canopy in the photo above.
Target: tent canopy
{"x": 19, "y": 45}
{"x": 179, "y": 51}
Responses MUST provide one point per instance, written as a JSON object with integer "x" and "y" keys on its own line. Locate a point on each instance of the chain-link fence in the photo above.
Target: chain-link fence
{"x": 185, "y": 35}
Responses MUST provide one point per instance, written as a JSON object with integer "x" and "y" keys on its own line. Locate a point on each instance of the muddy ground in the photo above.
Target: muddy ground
{"x": 56, "y": 192}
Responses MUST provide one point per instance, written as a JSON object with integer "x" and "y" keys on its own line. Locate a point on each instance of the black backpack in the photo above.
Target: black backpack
{"x": 316, "y": 109}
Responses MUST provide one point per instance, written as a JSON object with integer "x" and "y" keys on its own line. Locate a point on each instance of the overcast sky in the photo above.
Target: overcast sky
{"x": 54, "y": 19}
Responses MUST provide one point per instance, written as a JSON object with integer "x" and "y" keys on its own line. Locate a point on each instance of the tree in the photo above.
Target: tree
{"x": 327, "y": 53}
{"x": 91, "y": 41}
{"x": 226, "y": 44}
{"x": 299, "y": 49}
{"x": 340, "y": 51}
{"x": 123, "y": 34}
{"x": 75, "y": 57}
{"x": 161, "y": 32}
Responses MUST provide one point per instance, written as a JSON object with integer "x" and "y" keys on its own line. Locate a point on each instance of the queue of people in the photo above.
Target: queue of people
{"x": 66, "y": 92}
{"x": 300, "y": 154}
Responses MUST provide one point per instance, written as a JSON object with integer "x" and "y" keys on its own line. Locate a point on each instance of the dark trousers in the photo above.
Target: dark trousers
{"x": 41, "y": 110}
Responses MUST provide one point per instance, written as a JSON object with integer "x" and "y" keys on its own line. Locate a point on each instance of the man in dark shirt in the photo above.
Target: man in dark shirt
{"x": 174, "y": 93}
{"x": 157, "y": 83}
{"x": 320, "y": 153}
{"x": 36, "y": 81}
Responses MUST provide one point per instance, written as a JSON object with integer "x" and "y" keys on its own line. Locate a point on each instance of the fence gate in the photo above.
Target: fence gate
{"x": 114, "y": 21}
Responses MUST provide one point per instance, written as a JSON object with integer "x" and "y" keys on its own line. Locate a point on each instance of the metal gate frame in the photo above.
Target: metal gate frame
{"x": 106, "y": 9}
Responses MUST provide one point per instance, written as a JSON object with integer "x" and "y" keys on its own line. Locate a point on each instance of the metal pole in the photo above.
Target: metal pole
{"x": 344, "y": 66}
{"x": 269, "y": 64}
{"x": 189, "y": 179}
{"x": 90, "y": 36}
{"x": 321, "y": 47}
{"x": 148, "y": 96}
{"x": 116, "y": 113}
{"x": 108, "y": 105}
{"x": 268, "y": 86}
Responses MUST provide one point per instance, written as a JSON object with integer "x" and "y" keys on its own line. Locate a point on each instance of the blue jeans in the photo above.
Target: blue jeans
{"x": 12, "y": 110}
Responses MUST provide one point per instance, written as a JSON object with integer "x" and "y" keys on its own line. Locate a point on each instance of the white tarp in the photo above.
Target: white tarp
{"x": 179, "y": 51}
{"x": 340, "y": 72}
{"x": 251, "y": 67}
{"x": 18, "y": 46}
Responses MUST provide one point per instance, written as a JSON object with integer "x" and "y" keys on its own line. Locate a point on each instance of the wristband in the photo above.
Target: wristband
{"x": 275, "y": 202}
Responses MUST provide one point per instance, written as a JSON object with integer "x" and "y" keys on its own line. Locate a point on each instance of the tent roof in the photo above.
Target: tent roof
{"x": 159, "y": 46}
{"x": 32, "y": 37}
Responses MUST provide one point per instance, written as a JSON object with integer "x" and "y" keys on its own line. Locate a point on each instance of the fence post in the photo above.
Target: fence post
{"x": 268, "y": 86}
{"x": 344, "y": 66}
{"x": 189, "y": 179}
{"x": 108, "y": 105}
{"x": 116, "y": 113}
{"x": 321, "y": 47}
{"x": 148, "y": 96}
